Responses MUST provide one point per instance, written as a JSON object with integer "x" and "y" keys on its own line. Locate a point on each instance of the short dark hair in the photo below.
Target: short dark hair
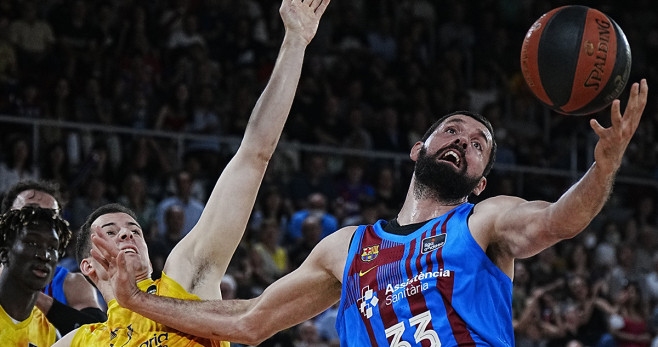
{"x": 480, "y": 118}
{"x": 12, "y": 223}
{"x": 11, "y": 194}
{"x": 83, "y": 242}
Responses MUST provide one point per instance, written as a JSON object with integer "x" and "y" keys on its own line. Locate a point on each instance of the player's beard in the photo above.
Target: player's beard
{"x": 441, "y": 181}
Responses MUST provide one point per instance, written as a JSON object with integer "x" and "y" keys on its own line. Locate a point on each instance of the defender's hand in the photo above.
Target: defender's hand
{"x": 115, "y": 268}
{"x": 301, "y": 17}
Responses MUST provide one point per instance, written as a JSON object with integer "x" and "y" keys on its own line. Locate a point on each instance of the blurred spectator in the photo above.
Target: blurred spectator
{"x": 192, "y": 207}
{"x": 33, "y": 38}
{"x": 271, "y": 206}
{"x": 78, "y": 42}
{"x": 390, "y": 135}
{"x": 593, "y": 309}
{"x": 272, "y": 258}
{"x": 307, "y": 335}
{"x": 17, "y": 165}
{"x": 93, "y": 195}
{"x": 316, "y": 207}
{"x": 353, "y": 188}
{"x": 176, "y": 112}
{"x": 311, "y": 234}
{"x": 8, "y": 57}
{"x": 161, "y": 245}
{"x": 634, "y": 329}
{"x": 326, "y": 324}
{"x": 134, "y": 196}
{"x": 314, "y": 177}
{"x": 356, "y": 135}
{"x": 388, "y": 194}
{"x": 55, "y": 166}
{"x": 228, "y": 287}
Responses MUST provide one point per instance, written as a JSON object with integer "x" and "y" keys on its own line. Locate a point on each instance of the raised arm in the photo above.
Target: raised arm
{"x": 522, "y": 228}
{"x": 199, "y": 261}
{"x": 294, "y": 298}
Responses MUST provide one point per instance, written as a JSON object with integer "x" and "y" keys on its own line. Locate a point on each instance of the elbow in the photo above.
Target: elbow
{"x": 254, "y": 330}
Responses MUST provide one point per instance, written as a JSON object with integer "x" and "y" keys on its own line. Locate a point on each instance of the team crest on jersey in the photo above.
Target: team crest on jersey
{"x": 370, "y": 253}
{"x": 433, "y": 242}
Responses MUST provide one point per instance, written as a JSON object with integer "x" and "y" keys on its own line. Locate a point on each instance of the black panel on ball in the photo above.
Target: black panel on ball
{"x": 559, "y": 48}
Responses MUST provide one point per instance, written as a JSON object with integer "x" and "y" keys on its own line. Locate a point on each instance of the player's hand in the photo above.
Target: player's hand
{"x": 301, "y": 17}
{"x": 614, "y": 140}
{"x": 115, "y": 268}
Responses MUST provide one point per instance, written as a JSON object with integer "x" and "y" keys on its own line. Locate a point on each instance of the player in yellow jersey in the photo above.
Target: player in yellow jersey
{"x": 31, "y": 240}
{"x": 198, "y": 262}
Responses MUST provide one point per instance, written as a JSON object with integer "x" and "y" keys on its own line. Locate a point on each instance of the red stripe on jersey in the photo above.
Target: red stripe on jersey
{"x": 428, "y": 257}
{"x": 446, "y": 286}
{"x": 371, "y": 269}
{"x": 417, "y": 303}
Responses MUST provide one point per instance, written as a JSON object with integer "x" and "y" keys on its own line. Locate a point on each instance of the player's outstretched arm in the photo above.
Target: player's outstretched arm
{"x": 199, "y": 261}
{"x": 300, "y": 295}
{"x": 528, "y": 227}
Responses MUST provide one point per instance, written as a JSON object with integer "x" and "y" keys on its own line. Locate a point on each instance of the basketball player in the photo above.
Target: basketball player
{"x": 440, "y": 274}
{"x": 68, "y": 301}
{"x": 31, "y": 240}
{"x": 197, "y": 264}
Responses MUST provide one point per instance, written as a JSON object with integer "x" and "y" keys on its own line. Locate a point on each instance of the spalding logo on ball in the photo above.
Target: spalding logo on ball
{"x": 576, "y": 60}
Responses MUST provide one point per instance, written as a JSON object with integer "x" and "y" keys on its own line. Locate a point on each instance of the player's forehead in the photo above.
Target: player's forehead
{"x": 118, "y": 219}
{"x": 34, "y": 197}
{"x": 466, "y": 122}
{"x": 39, "y": 231}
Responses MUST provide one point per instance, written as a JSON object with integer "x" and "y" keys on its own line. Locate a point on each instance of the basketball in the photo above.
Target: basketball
{"x": 576, "y": 60}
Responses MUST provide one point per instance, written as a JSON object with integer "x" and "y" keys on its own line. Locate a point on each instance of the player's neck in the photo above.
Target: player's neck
{"x": 415, "y": 209}
{"x": 16, "y": 300}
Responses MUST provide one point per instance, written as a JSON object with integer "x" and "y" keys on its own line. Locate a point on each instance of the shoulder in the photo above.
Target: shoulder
{"x": 498, "y": 202}
{"x": 331, "y": 252}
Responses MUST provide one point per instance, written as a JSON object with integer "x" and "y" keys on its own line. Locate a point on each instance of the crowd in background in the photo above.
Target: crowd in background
{"x": 377, "y": 74}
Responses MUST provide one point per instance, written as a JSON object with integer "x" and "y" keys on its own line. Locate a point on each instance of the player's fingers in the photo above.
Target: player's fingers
{"x": 636, "y": 103}
{"x": 105, "y": 246}
{"x": 598, "y": 128}
{"x": 322, "y": 6}
{"x": 100, "y": 253}
{"x": 615, "y": 114}
{"x": 102, "y": 262}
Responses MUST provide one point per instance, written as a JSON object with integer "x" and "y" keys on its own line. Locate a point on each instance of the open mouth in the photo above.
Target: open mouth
{"x": 451, "y": 156}
{"x": 129, "y": 250}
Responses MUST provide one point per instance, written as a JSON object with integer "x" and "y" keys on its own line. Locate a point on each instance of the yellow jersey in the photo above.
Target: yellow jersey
{"x": 35, "y": 331}
{"x": 126, "y": 328}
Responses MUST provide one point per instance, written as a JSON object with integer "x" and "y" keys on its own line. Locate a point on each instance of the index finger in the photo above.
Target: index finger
{"x": 103, "y": 244}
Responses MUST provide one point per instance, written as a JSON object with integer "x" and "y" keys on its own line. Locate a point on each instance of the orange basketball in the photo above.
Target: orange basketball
{"x": 576, "y": 60}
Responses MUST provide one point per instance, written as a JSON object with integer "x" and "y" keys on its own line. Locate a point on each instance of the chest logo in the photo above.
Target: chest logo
{"x": 370, "y": 253}
{"x": 432, "y": 243}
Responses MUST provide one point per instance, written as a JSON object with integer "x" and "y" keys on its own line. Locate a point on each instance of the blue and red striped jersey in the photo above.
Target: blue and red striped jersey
{"x": 432, "y": 287}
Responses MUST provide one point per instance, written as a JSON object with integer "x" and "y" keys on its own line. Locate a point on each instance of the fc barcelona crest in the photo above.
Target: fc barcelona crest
{"x": 370, "y": 253}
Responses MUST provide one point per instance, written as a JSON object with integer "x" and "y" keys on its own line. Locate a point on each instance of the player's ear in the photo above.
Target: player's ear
{"x": 86, "y": 268}
{"x": 480, "y": 187}
{"x": 415, "y": 150}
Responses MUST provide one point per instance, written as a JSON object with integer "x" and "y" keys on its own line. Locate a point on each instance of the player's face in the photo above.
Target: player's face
{"x": 453, "y": 159}
{"x": 34, "y": 197}
{"x": 463, "y": 143}
{"x": 129, "y": 238}
{"x": 33, "y": 256}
